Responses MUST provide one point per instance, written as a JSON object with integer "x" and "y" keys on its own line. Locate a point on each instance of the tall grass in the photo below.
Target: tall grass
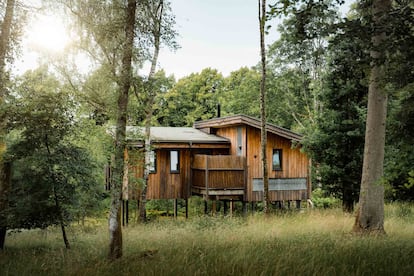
{"x": 314, "y": 242}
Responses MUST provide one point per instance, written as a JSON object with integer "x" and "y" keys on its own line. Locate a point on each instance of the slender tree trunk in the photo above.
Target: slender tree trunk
{"x": 5, "y": 38}
{"x": 114, "y": 221}
{"x": 55, "y": 195}
{"x": 5, "y": 176}
{"x": 4, "y": 166}
{"x": 150, "y": 89}
{"x": 262, "y": 20}
{"x": 370, "y": 216}
{"x": 61, "y": 220}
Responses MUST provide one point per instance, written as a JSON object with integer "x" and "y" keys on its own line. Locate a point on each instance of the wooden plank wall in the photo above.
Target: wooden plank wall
{"x": 231, "y": 134}
{"x": 295, "y": 164}
{"x": 224, "y": 171}
{"x": 163, "y": 184}
{"x": 166, "y": 185}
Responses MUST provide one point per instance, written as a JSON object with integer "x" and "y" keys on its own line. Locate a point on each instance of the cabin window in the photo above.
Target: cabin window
{"x": 174, "y": 161}
{"x": 239, "y": 141}
{"x": 277, "y": 160}
{"x": 152, "y": 166}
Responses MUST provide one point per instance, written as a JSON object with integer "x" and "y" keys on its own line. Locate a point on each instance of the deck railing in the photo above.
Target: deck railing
{"x": 219, "y": 172}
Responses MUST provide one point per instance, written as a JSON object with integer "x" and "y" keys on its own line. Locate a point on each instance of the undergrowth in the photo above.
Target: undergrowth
{"x": 314, "y": 242}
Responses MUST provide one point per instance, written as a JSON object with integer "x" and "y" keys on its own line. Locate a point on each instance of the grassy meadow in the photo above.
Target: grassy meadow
{"x": 310, "y": 242}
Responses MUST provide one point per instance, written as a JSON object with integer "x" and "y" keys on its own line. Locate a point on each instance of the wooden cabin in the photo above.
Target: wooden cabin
{"x": 219, "y": 159}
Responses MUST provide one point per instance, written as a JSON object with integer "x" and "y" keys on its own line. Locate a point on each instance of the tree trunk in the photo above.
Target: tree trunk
{"x": 370, "y": 216}
{"x": 4, "y": 167}
{"x": 5, "y": 176}
{"x": 115, "y": 230}
{"x": 262, "y": 20}
{"x": 156, "y": 32}
{"x": 5, "y": 39}
{"x": 61, "y": 220}
{"x": 348, "y": 200}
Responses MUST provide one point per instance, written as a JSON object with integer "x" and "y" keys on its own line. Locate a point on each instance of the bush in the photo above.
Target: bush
{"x": 320, "y": 200}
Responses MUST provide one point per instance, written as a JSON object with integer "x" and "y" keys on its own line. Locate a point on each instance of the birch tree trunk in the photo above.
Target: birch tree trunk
{"x": 4, "y": 167}
{"x": 156, "y": 15}
{"x": 115, "y": 230}
{"x": 370, "y": 215}
{"x": 262, "y": 20}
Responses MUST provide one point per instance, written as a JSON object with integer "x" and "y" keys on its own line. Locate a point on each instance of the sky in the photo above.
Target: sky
{"x": 220, "y": 34}
{"x": 214, "y": 33}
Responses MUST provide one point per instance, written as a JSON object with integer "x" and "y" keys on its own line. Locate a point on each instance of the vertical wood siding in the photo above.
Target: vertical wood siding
{"x": 294, "y": 163}
{"x": 221, "y": 171}
{"x": 166, "y": 185}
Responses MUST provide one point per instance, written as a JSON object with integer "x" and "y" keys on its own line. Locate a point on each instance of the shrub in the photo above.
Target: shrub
{"x": 320, "y": 200}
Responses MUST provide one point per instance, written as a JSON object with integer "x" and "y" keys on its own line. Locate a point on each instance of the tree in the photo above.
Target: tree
{"x": 160, "y": 29}
{"x": 109, "y": 33}
{"x": 263, "y": 130}
{"x": 399, "y": 153}
{"x": 50, "y": 173}
{"x": 370, "y": 217}
{"x": 6, "y": 37}
{"x": 399, "y": 161}
{"x": 192, "y": 98}
{"x": 124, "y": 83}
{"x": 336, "y": 143}
{"x": 298, "y": 60}
{"x": 241, "y": 88}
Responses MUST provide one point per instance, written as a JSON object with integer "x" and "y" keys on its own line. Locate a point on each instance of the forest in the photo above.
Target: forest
{"x": 344, "y": 82}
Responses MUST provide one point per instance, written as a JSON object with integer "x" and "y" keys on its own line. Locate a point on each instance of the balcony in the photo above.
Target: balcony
{"x": 219, "y": 176}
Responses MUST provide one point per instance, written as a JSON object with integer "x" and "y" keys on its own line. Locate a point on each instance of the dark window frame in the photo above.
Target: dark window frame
{"x": 277, "y": 167}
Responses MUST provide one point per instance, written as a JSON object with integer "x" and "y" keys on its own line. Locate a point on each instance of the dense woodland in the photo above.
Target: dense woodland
{"x": 53, "y": 141}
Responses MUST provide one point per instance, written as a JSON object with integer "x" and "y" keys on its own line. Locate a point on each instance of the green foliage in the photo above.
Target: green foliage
{"x": 53, "y": 178}
{"x": 138, "y": 105}
{"x": 336, "y": 144}
{"x": 399, "y": 157}
{"x": 297, "y": 63}
{"x": 399, "y": 151}
{"x": 241, "y": 94}
{"x": 192, "y": 98}
{"x": 321, "y": 200}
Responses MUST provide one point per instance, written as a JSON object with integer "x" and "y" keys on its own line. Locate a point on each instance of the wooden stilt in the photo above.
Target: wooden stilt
{"x": 123, "y": 211}
{"x": 298, "y": 204}
{"x": 225, "y": 208}
{"x": 175, "y": 208}
{"x": 231, "y": 208}
{"x": 186, "y": 208}
{"x": 244, "y": 208}
{"x": 126, "y": 212}
{"x": 137, "y": 212}
{"x": 214, "y": 207}
{"x": 279, "y": 204}
{"x": 205, "y": 207}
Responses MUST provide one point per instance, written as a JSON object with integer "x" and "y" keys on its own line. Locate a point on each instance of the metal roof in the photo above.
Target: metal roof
{"x": 174, "y": 135}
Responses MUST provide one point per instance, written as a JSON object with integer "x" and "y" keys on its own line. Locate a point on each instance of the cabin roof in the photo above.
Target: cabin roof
{"x": 174, "y": 135}
{"x": 235, "y": 120}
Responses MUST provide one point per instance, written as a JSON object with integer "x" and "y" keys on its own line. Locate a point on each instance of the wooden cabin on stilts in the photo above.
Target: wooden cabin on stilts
{"x": 219, "y": 160}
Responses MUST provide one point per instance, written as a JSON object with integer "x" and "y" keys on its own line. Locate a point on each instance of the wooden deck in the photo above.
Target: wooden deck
{"x": 219, "y": 177}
